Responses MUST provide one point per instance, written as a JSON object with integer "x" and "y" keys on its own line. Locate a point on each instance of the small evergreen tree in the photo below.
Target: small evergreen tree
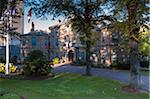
{"x": 36, "y": 64}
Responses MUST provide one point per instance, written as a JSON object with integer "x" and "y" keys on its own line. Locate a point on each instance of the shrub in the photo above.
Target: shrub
{"x": 12, "y": 68}
{"x": 36, "y": 65}
{"x": 34, "y": 55}
{"x": 2, "y": 68}
{"x": 2, "y": 60}
{"x": 13, "y": 59}
{"x": 120, "y": 65}
{"x": 126, "y": 66}
{"x": 56, "y": 61}
{"x": 80, "y": 63}
{"x": 144, "y": 64}
{"x": 10, "y": 96}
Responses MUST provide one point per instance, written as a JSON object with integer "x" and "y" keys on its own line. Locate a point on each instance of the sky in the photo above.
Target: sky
{"x": 39, "y": 24}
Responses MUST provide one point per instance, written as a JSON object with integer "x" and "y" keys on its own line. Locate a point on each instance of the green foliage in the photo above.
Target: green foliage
{"x": 37, "y": 67}
{"x": 34, "y": 55}
{"x": 120, "y": 65}
{"x": 10, "y": 96}
{"x": 37, "y": 64}
{"x": 144, "y": 43}
{"x": 12, "y": 60}
{"x": 80, "y": 63}
{"x": 145, "y": 64}
{"x": 3, "y": 5}
{"x": 3, "y": 25}
{"x": 95, "y": 65}
{"x": 140, "y": 17}
{"x": 2, "y": 60}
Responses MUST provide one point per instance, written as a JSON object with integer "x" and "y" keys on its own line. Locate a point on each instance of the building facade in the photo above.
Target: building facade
{"x": 35, "y": 40}
{"x": 106, "y": 50}
{"x": 54, "y": 42}
{"x": 62, "y": 42}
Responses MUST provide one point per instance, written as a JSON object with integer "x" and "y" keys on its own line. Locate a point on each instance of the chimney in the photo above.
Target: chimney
{"x": 32, "y": 26}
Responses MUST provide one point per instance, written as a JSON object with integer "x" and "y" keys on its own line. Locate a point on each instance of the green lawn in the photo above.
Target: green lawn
{"x": 69, "y": 86}
{"x": 146, "y": 73}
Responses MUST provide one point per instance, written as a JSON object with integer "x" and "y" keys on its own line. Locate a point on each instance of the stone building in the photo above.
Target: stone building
{"x": 62, "y": 42}
{"x": 54, "y": 42}
{"x": 35, "y": 40}
{"x": 106, "y": 49}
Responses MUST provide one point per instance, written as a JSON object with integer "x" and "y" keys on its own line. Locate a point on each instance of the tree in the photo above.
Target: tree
{"x": 83, "y": 14}
{"x": 14, "y": 14}
{"x": 3, "y": 6}
{"x": 144, "y": 44}
{"x": 133, "y": 14}
{"x": 35, "y": 54}
{"x": 37, "y": 64}
{"x": 7, "y": 13}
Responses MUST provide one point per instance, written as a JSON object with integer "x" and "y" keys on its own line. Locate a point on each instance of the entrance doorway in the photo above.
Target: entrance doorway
{"x": 70, "y": 55}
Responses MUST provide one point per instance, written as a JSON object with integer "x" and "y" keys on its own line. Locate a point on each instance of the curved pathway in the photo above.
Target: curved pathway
{"x": 121, "y": 75}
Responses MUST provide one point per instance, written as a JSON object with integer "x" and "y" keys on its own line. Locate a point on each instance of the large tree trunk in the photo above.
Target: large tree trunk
{"x": 134, "y": 64}
{"x": 88, "y": 61}
{"x": 87, "y": 31}
{"x": 134, "y": 58}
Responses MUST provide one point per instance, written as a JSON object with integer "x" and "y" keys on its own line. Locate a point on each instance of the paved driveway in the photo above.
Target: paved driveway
{"x": 121, "y": 75}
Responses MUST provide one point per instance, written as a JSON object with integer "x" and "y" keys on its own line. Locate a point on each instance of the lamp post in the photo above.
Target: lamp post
{"x": 7, "y": 54}
{"x": 7, "y": 41}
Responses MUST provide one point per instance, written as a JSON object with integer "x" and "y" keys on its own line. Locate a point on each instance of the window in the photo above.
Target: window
{"x": 114, "y": 37}
{"x": 23, "y": 53}
{"x": 56, "y": 54}
{"x": 33, "y": 41}
{"x": 73, "y": 44}
{"x": 52, "y": 42}
{"x": 57, "y": 42}
{"x": 46, "y": 43}
{"x": 24, "y": 42}
{"x": 82, "y": 55}
{"x": 114, "y": 56}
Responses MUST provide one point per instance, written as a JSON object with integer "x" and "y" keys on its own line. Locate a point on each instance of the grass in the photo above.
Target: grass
{"x": 69, "y": 86}
{"x": 146, "y": 73}
{"x": 10, "y": 96}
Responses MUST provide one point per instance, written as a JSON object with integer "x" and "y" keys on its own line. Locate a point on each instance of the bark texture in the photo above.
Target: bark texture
{"x": 132, "y": 7}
